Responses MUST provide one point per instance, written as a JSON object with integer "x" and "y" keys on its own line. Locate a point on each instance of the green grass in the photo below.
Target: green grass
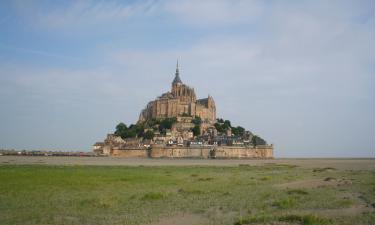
{"x": 154, "y": 196}
{"x": 41, "y": 194}
{"x": 309, "y": 219}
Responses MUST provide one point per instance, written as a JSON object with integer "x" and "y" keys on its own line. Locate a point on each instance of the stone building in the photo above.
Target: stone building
{"x": 181, "y": 100}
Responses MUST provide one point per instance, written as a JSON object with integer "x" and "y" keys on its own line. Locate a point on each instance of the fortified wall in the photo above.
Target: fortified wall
{"x": 205, "y": 152}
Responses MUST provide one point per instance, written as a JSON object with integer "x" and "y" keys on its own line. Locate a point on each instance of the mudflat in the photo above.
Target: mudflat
{"x": 337, "y": 163}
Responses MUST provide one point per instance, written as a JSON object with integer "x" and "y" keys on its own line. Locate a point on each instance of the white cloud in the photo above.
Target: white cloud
{"x": 215, "y": 12}
{"x": 82, "y": 14}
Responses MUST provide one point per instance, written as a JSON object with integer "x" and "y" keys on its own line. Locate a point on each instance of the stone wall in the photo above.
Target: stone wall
{"x": 130, "y": 153}
{"x": 219, "y": 152}
{"x": 261, "y": 152}
{"x": 179, "y": 152}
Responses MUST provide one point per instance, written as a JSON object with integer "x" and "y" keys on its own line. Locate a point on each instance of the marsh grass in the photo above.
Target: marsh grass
{"x": 309, "y": 219}
{"x": 286, "y": 203}
{"x": 154, "y": 196}
{"x": 205, "y": 178}
{"x": 297, "y": 191}
{"x": 40, "y": 194}
{"x": 324, "y": 169}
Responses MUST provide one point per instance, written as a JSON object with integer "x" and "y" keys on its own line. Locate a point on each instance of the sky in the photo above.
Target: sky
{"x": 300, "y": 74}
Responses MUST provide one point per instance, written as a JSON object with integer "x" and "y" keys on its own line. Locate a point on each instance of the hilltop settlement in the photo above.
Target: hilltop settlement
{"x": 178, "y": 125}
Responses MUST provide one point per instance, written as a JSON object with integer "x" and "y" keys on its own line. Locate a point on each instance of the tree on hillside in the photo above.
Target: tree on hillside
{"x": 129, "y": 132}
{"x": 149, "y": 135}
{"x": 152, "y": 122}
{"x": 197, "y": 120}
{"x": 222, "y": 126}
{"x": 256, "y": 140}
{"x": 121, "y": 130}
{"x": 166, "y": 124}
{"x": 139, "y": 129}
{"x": 227, "y": 124}
{"x": 238, "y": 131}
{"x": 196, "y": 130}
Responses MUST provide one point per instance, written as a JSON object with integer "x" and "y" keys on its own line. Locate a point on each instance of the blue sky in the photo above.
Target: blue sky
{"x": 301, "y": 74}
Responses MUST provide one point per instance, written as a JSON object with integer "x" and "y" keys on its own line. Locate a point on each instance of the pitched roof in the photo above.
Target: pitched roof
{"x": 177, "y": 78}
{"x": 203, "y": 101}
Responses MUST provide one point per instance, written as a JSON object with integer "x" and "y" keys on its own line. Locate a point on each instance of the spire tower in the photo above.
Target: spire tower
{"x": 177, "y": 78}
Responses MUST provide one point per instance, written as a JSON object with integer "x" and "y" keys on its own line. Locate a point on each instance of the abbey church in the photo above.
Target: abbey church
{"x": 181, "y": 100}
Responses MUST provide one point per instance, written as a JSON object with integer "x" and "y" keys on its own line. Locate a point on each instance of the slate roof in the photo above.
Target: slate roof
{"x": 177, "y": 78}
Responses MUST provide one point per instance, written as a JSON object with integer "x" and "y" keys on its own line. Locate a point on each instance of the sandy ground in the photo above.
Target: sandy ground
{"x": 182, "y": 219}
{"x": 341, "y": 164}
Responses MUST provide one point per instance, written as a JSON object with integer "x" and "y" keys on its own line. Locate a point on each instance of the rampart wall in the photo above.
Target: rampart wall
{"x": 180, "y": 152}
{"x": 220, "y": 152}
{"x": 129, "y": 153}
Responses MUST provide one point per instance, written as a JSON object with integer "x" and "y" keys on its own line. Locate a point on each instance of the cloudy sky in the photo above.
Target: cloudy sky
{"x": 301, "y": 74}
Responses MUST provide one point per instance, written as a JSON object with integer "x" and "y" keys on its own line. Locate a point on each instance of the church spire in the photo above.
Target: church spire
{"x": 177, "y": 78}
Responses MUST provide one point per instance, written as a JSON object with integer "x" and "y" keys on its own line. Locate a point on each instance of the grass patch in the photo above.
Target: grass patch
{"x": 153, "y": 196}
{"x": 265, "y": 178}
{"x": 293, "y": 219}
{"x": 205, "y": 179}
{"x": 261, "y": 218}
{"x": 297, "y": 192}
{"x": 286, "y": 203}
{"x": 345, "y": 203}
{"x": 189, "y": 192}
{"x": 305, "y": 219}
{"x": 325, "y": 169}
{"x": 287, "y": 166}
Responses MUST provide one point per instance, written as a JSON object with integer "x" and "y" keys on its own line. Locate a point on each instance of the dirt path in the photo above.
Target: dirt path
{"x": 181, "y": 219}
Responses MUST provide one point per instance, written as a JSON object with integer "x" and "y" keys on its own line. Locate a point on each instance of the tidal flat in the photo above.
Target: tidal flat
{"x": 269, "y": 192}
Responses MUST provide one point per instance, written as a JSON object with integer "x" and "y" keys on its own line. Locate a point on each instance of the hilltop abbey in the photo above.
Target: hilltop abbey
{"x": 181, "y": 100}
{"x": 178, "y": 125}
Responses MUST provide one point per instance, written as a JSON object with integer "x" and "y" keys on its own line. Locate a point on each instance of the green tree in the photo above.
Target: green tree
{"x": 238, "y": 131}
{"x": 121, "y": 130}
{"x": 139, "y": 129}
{"x": 256, "y": 140}
{"x": 197, "y": 120}
{"x": 253, "y": 140}
{"x": 152, "y": 122}
{"x": 220, "y": 127}
{"x": 196, "y": 130}
{"x": 149, "y": 135}
{"x": 130, "y": 134}
{"x": 166, "y": 124}
{"x": 227, "y": 124}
